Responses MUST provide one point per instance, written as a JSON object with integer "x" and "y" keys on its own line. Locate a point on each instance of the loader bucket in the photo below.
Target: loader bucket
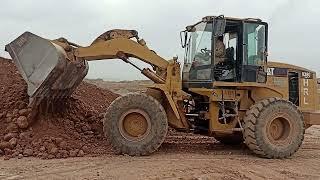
{"x": 45, "y": 67}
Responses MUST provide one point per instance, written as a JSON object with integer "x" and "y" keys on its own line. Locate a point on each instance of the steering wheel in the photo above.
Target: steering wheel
{"x": 205, "y": 51}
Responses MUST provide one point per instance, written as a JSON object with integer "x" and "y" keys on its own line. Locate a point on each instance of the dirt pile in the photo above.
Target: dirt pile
{"x": 77, "y": 131}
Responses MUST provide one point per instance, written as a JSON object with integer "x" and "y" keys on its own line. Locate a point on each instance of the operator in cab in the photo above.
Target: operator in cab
{"x": 220, "y": 50}
{"x": 204, "y": 56}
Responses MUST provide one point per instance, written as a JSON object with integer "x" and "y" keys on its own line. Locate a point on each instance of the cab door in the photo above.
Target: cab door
{"x": 254, "y": 64}
{"x": 197, "y": 70}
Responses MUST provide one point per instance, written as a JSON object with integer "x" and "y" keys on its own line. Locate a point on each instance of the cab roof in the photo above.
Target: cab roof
{"x": 210, "y": 18}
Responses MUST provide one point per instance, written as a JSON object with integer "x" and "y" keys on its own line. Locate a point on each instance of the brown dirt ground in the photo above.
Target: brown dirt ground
{"x": 180, "y": 157}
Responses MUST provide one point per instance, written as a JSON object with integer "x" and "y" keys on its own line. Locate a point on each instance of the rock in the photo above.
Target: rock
{"x": 85, "y": 149}
{"x": 85, "y": 128}
{"x": 7, "y": 151}
{"x": 36, "y": 143}
{"x": 2, "y": 115}
{"x": 63, "y": 145}
{"x": 95, "y": 127}
{"x": 58, "y": 155}
{"x": 24, "y": 135}
{"x": 42, "y": 149}
{"x": 1, "y": 152}
{"x": 22, "y": 105}
{"x": 16, "y": 116}
{"x": 88, "y": 133}
{"x": 35, "y": 154}
{"x": 50, "y": 146}
{"x": 77, "y": 135}
{"x": 73, "y": 153}
{"x": 101, "y": 115}
{"x": 53, "y": 151}
{"x": 9, "y": 136}
{"x": 9, "y": 119}
{"x": 51, "y": 156}
{"x": 89, "y": 114}
{"x": 24, "y": 112}
{"x": 4, "y": 145}
{"x": 81, "y": 118}
{"x": 19, "y": 148}
{"x": 80, "y": 153}
{"x": 15, "y": 154}
{"x": 28, "y": 152}
{"x": 22, "y": 122}
{"x": 44, "y": 156}
{"x": 78, "y": 128}
{"x": 15, "y": 111}
{"x": 64, "y": 153}
{"x": 13, "y": 128}
{"x": 6, "y": 158}
{"x": 20, "y": 156}
{"x": 58, "y": 140}
{"x": 91, "y": 119}
{"x": 71, "y": 123}
{"x": 13, "y": 142}
{"x": 9, "y": 115}
{"x": 14, "y": 120}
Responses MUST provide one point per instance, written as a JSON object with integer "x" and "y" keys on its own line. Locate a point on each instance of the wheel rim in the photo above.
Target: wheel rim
{"x": 134, "y": 125}
{"x": 279, "y": 130}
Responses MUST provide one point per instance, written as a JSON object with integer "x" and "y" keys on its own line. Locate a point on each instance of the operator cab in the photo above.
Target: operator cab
{"x": 224, "y": 49}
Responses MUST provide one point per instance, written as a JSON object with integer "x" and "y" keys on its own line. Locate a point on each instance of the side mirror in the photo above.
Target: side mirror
{"x": 183, "y": 38}
{"x": 219, "y": 25}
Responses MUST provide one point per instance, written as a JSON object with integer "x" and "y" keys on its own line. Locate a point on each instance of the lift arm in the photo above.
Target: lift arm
{"x": 109, "y": 44}
{"x": 118, "y": 44}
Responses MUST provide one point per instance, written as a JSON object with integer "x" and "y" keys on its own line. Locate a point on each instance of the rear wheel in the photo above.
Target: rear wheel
{"x": 274, "y": 128}
{"x": 135, "y": 124}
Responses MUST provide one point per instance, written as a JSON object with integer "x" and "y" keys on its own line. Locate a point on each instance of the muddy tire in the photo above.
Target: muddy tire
{"x": 135, "y": 124}
{"x": 274, "y": 128}
{"x": 232, "y": 139}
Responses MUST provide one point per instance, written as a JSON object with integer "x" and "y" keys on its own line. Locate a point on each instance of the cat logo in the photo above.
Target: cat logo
{"x": 270, "y": 71}
{"x": 275, "y": 71}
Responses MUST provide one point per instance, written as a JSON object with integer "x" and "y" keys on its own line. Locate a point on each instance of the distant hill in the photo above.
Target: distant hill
{"x": 121, "y": 87}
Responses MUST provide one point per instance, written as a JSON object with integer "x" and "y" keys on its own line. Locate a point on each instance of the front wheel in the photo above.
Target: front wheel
{"x": 135, "y": 124}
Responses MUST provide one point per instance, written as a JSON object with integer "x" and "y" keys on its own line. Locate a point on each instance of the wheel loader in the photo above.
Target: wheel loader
{"x": 226, "y": 89}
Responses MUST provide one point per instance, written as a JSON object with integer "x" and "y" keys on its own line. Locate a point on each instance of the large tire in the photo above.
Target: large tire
{"x": 274, "y": 128}
{"x": 230, "y": 139}
{"x": 135, "y": 124}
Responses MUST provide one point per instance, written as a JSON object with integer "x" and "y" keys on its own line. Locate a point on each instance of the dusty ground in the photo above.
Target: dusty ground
{"x": 194, "y": 157}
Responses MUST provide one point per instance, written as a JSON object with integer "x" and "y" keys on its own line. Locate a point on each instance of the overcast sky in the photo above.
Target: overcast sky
{"x": 293, "y": 33}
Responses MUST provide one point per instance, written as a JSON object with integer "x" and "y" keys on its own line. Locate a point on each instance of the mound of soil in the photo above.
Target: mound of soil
{"x": 76, "y": 131}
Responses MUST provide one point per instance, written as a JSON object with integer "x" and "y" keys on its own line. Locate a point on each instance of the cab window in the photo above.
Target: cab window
{"x": 254, "y": 39}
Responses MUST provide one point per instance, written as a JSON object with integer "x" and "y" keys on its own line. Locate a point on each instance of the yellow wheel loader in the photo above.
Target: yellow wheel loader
{"x": 226, "y": 89}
